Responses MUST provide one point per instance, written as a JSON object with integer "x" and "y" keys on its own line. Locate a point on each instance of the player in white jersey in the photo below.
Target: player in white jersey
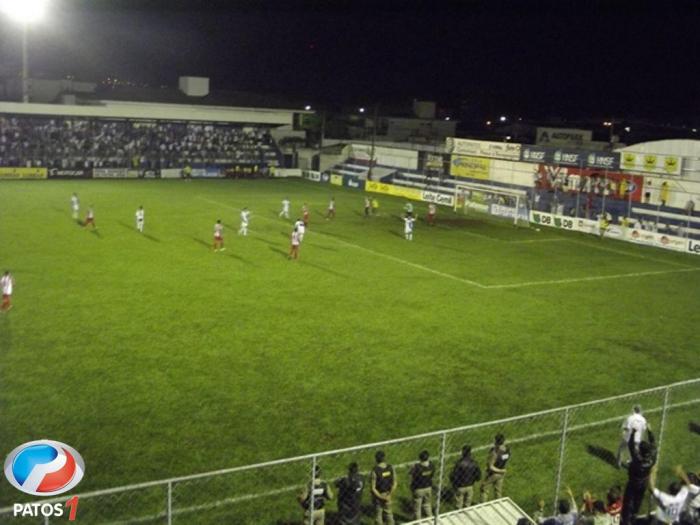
{"x": 296, "y": 241}
{"x": 636, "y": 421}
{"x": 408, "y": 221}
{"x": 300, "y": 227}
{"x": 75, "y": 206}
{"x": 245, "y": 219}
{"x": 331, "y": 209}
{"x": 219, "y": 236}
{"x": 285, "y": 208}
{"x": 6, "y": 284}
{"x": 140, "y": 216}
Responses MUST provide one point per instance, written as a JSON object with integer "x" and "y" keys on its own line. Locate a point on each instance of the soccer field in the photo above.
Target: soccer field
{"x": 155, "y": 357}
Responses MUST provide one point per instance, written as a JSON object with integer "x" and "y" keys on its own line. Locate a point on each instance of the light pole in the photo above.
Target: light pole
{"x": 24, "y": 12}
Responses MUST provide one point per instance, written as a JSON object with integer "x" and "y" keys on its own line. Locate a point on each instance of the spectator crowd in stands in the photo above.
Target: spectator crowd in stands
{"x": 75, "y": 143}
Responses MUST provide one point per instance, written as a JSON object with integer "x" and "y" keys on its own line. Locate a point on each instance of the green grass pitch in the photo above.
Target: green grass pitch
{"x": 155, "y": 357}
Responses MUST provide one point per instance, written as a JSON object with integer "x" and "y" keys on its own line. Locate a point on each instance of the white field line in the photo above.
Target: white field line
{"x": 292, "y": 488}
{"x": 584, "y": 279}
{"x": 536, "y": 240}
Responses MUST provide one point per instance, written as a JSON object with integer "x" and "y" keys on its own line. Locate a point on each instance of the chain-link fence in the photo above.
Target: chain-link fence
{"x": 578, "y": 446}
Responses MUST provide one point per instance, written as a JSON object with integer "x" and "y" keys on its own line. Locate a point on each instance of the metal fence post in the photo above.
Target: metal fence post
{"x": 443, "y": 453}
{"x": 562, "y": 449}
{"x": 311, "y": 491}
{"x": 662, "y": 425}
{"x": 170, "y": 503}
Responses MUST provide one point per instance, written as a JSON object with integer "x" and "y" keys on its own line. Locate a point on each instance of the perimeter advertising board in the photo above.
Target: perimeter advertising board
{"x": 651, "y": 163}
{"x": 23, "y": 173}
{"x": 470, "y": 167}
{"x": 483, "y": 148}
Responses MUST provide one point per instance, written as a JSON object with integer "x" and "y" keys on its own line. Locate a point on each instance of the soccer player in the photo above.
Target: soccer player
{"x": 331, "y": 209}
{"x": 245, "y": 218}
{"x": 90, "y": 219}
{"x": 219, "y": 236}
{"x": 75, "y": 206}
{"x": 301, "y": 228}
{"x": 375, "y": 206}
{"x": 368, "y": 207}
{"x": 6, "y": 284}
{"x": 408, "y": 221}
{"x": 432, "y": 210}
{"x": 635, "y": 421}
{"x": 296, "y": 241}
{"x": 305, "y": 214}
{"x": 140, "y": 214}
{"x": 285, "y": 208}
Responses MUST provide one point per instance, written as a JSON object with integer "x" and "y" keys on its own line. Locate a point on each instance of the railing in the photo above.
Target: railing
{"x": 572, "y": 446}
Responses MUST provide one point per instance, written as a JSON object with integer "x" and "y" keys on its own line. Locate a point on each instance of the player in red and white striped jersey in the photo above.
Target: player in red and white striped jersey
{"x": 219, "y": 236}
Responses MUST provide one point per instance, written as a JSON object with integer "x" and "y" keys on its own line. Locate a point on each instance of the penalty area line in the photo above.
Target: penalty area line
{"x": 585, "y": 279}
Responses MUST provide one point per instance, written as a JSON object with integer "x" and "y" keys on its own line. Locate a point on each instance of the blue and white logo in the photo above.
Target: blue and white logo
{"x": 44, "y": 468}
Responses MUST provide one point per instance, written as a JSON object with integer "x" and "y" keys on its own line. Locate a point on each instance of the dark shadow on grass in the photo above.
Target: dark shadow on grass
{"x": 337, "y": 235}
{"x": 150, "y": 237}
{"x": 603, "y": 454}
{"x": 326, "y": 248}
{"x": 96, "y": 233}
{"x": 694, "y": 427}
{"x": 269, "y": 243}
{"x": 279, "y": 251}
{"x": 239, "y": 258}
{"x": 203, "y": 243}
{"x": 6, "y": 330}
{"x": 324, "y": 269}
{"x": 132, "y": 228}
{"x": 395, "y": 233}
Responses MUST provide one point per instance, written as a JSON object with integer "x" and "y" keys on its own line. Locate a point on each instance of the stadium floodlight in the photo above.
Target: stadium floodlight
{"x": 503, "y": 118}
{"x": 361, "y": 110}
{"x": 24, "y": 12}
{"x": 628, "y": 129}
{"x": 447, "y": 118}
{"x": 307, "y": 107}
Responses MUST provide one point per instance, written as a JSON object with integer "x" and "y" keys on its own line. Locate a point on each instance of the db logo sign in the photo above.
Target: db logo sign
{"x": 44, "y": 468}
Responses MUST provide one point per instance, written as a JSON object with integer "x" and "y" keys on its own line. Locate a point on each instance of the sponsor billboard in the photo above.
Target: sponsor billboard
{"x": 571, "y": 157}
{"x": 651, "y": 163}
{"x": 111, "y": 173}
{"x": 133, "y": 174}
{"x": 472, "y": 167}
{"x": 483, "y": 148}
{"x": 614, "y": 184}
{"x": 509, "y": 212}
{"x": 55, "y": 173}
{"x": 314, "y": 176}
{"x": 23, "y": 173}
{"x": 353, "y": 182}
{"x": 444, "y": 199}
{"x": 336, "y": 180}
{"x": 392, "y": 189}
{"x": 660, "y": 240}
{"x": 693, "y": 246}
{"x": 206, "y": 173}
{"x": 569, "y": 137}
{"x": 170, "y": 173}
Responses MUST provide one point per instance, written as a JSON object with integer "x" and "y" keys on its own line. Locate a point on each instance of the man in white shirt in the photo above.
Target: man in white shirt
{"x": 408, "y": 221}
{"x": 6, "y": 284}
{"x": 140, "y": 216}
{"x": 285, "y": 208}
{"x": 75, "y": 206}
{"x": 670, "y": 503}
{"x": 245, "y": 219}
{"x": 300, "y": 227}
{"x": 635, "y": 421}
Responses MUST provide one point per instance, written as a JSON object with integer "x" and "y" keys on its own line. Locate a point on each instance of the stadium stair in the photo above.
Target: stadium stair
{"x": 497, "y": 512}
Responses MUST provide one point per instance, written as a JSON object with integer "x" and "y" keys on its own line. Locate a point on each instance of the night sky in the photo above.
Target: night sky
{"x": 533, "y": 58}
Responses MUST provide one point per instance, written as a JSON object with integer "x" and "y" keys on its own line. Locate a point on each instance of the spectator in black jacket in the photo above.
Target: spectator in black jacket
{"x": 350, "y": 496}
{"x": 465, "y": 474}
{"x": 643, "y": 460}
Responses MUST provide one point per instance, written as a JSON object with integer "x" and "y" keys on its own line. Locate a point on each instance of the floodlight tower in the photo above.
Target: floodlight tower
{"x": 25, "y": 13}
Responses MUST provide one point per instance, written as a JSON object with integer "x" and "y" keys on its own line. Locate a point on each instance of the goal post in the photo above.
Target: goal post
{"x": 507, "y": 203}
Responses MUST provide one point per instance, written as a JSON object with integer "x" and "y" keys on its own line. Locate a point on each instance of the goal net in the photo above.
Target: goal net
{"x": 480, "y": 199}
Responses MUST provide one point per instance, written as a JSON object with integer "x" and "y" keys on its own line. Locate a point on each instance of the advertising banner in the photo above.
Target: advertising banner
{"x": 55, "y": 173}
{"x": 508, "y": 211}
{"x": 604, "y": 160}
{"x": 133, "y": 174}
{"x": 314, "y": 176}
{"x": 433, "y": 162}
{"x": 693, "y": 246}
{"x": 353, "y": 182}
{"x": 336, "y": 180}
{"x": 391, "y": 189}
{"x": 110, "y": 173}
{"x": 567, "y": 137}
{"x": 648, "y": 163}
{"x": 150, "y": 174}
{"x": 660, "y": 240}
{"x": 444, "y": 199}
{"x": 612, "y": 184}
{"x": 537, "y": 154}
{"x": 569, "y": 157}
{"x": 472, "y": 167}
{"x": 23, "y": 173}
{"x": 483, "y": 148}
{"x": 170, "y": 173}
{"x": 206, "y": 173}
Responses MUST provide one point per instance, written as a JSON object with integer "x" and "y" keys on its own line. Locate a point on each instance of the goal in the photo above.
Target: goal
{"x": 507, "y": 203}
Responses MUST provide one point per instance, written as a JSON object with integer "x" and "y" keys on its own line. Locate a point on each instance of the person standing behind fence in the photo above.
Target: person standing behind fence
{"x": 636, "y": 421}
{"x": 499, "y": 455}
{"x": 643, "y": 460}
{"x": 422, "y": 485}
{"x": 319, "y": 491}
{"x": 350, "y": 496}
{"x": 383, "y": 485}
{"x": 465, "y": 474}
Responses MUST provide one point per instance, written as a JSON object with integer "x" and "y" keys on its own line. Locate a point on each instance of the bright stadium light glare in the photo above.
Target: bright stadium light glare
{"x": 503, "y": 118}
{"x": 362, "y": 110}
{"x": 307, "y": 107}
{"x": 24, "y": 11}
